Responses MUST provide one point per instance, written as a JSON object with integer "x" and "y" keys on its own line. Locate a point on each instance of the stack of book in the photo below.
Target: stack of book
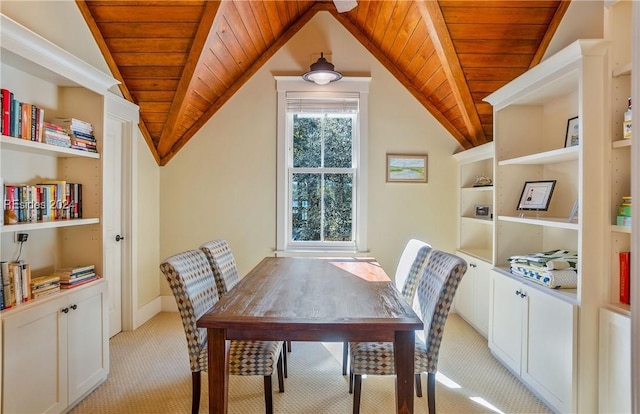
{"x": 82, "y": 137}
{"x": 74, "y": 276}
{"x": 56, "y": 135}
{"x": 624, "y": 212}
{"x": 44, "y": 285}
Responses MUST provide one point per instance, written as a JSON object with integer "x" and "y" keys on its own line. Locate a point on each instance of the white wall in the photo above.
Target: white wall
{"x": 222, "y": 184}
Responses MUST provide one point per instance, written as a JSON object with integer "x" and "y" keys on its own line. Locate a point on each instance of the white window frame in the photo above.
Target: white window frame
{"x": 288, "y": 84}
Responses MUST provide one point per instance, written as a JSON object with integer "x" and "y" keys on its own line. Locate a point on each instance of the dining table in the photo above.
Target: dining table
{"x": 312, "y": 299}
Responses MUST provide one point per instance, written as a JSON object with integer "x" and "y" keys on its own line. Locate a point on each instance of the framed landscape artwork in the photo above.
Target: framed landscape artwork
{"x": 404, "y": 168}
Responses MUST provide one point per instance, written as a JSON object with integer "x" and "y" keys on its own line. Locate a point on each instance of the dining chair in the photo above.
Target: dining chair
{"x": 225, "y": 272}
{"x": 191, "y": 279}
{"x": 436, "y": 289}
{"x": 410, "y": 266}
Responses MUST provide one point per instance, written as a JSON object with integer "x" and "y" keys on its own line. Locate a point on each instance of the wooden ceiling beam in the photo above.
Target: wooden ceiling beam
{"x": 246, "y": 75}
{"x": 115, "y": 71}
{"x": 551, "y": 30}
{"x": 401, "y": 77}
{"x": 203, "y": 38}
{"x": 437, "y": 29}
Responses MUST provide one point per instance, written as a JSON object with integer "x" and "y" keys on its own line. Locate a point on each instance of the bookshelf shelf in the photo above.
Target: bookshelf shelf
{"x": 11, "y": 143}
{"x": 48, "y": 224}
{"x": 548, "y": 157}
{"x": 554, "y": 222}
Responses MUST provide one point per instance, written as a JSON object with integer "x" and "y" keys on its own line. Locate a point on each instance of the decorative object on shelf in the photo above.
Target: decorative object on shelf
{"x": 627, "y": 121}
{"x": 406, "y": 168}
{"x": 482, "y": 211}
{"x": 536, "y": 195}
{"x": 322, "y": 72}
{"x": 573, "y": 216}
{"x": 572, "y": 136}
{"x": 624, "y": 212}
{"x": 483, "y": 181}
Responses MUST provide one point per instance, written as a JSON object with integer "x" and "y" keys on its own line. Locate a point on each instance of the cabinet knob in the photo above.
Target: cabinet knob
{"x": 74, "y": 306}
{"x": 473, "y": 265}
{"x": 64, "y": 310}
{"x": 119, "y": 237}
{"x": 518, "y": 292}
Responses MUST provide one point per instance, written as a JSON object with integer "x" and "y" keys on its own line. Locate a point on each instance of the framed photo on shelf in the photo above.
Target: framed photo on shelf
{"x": 482, "y": 211}
{"x": 572, "y": 136}
{"x": 573, "y": 216}
{"x": 536, "y": 195}
{"x": 402, "y": 168}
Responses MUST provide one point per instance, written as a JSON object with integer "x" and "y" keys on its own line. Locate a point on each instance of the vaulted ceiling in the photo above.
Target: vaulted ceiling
{"x": 180, "y": 61}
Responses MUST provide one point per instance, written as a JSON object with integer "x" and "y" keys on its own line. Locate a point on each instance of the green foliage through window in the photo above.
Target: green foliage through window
{"x": 322, "y": 178}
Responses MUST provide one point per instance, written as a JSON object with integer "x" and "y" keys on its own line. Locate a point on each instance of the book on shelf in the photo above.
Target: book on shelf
{"x": 20, "y": 281}
{"x": 50, "y": 200}
{"x": 625, "y": 276}
{"x": 44, "y": 285}
{"x": 5, "y": 112}
{"x": 6, "y": 284}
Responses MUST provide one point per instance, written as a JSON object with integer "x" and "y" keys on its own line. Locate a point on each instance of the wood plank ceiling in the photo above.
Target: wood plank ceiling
{"x": 180, "y": 61}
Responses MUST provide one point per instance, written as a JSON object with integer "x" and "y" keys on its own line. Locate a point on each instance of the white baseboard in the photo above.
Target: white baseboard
{"x": 168, "y": 304}
{"x": 147, "y": 312}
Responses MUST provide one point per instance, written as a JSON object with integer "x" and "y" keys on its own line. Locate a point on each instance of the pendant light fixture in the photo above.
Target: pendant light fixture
{"x": 322, "y": 72}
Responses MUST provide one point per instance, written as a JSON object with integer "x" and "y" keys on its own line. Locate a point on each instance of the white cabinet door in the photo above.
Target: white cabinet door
{"x": 87, "y": 329}
{"x": 549, "y": 357}
{"x": 482, "y": 294}
{"x": 472, "y": 296}
{"x": 506, "y": 327}
{"x": 615, "y": 363}
{"x": 35, "y": 364}
{"x": 464, "y": 300}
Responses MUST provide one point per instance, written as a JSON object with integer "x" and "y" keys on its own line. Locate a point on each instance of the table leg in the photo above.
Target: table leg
{"x": 404, "y": 348}
{"x": 218, "y": 371}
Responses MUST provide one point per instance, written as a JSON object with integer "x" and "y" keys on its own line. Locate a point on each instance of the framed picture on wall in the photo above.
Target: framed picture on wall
{"x": 404, "y": 168}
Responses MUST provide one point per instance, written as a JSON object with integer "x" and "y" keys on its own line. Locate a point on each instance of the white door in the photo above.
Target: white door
{"x": 112, "y": 219}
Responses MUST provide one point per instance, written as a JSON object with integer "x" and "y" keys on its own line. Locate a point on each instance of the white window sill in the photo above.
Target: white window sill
{"x": 320, "y": 253}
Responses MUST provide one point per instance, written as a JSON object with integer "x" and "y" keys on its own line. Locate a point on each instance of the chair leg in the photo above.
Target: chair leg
{"x": 431, "y": 392}
{"x": 345, "y": 357}
{"x": 284, "y": 360}
{"x": 289, "y": 346}
{"x": 419, "y": 385}
{"x": 350, "y": 381}
{"x": 268, "y": 398}
{"x": 195, "y": 392}
{"x": 281, "y": 370}
{"x": 357, "y": 385}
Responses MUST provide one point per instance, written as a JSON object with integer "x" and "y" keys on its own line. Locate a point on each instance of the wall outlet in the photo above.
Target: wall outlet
{"x": 21, "y": 237}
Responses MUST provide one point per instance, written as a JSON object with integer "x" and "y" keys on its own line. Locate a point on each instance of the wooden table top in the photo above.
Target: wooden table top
{"x": 353, "y": 296}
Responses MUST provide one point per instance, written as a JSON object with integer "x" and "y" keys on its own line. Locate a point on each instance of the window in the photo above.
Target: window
{"x": 322, "y": 165}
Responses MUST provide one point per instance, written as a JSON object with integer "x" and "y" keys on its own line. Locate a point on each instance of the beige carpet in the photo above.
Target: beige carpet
{"x": 150, "y": 374}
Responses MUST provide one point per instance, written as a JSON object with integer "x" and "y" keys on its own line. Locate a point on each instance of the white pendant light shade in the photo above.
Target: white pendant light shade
{"x": 322, "y": 72}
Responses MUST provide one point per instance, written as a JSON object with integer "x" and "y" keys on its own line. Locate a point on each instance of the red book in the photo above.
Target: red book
{"x": 6, "y": 105}
{"x": 625, "y": 274}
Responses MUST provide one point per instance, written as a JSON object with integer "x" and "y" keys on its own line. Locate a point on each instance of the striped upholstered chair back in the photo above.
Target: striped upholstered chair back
{"x": 436, "y": 290}
{"x": 410, "y": 267}
{"x": 223, "y": 264}
{"x": 191, "y": 280}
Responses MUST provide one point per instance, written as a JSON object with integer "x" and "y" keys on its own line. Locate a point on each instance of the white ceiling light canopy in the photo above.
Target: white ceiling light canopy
{"x": 345, "y": 5}
{"x": 322, "y": 72}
